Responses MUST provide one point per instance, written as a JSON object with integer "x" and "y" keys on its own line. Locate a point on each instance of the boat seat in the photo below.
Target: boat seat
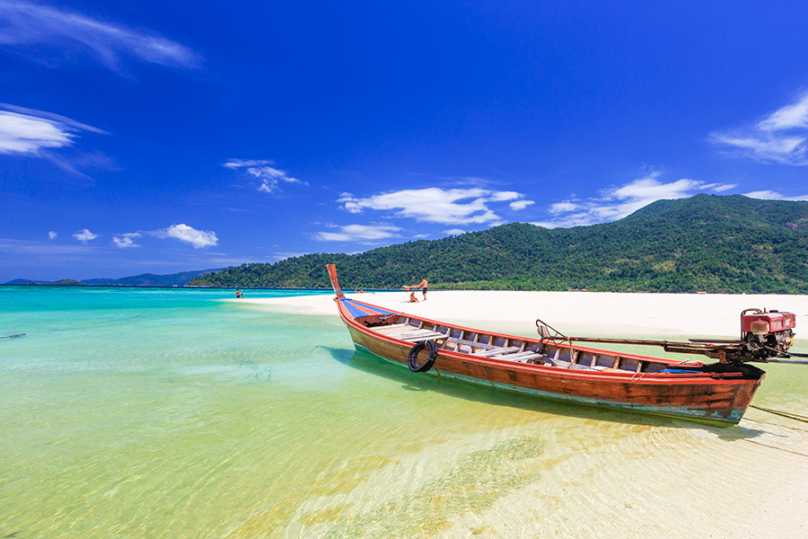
{"x": 519, "y": 356}
{"x": 392, "y": 326}
{"x": 422, "y": 336}
{"x": 535, "y": 358}
{"x": 409, "y": 331}
{"x": 579, "y": 367}
{"x": 496, "y": 351}
{"x": 558, "y": 363}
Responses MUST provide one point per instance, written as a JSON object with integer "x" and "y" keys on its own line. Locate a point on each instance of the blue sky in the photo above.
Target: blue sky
{"x": 161, "y": 137}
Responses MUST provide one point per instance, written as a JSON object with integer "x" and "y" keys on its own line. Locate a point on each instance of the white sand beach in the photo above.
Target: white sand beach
{"x": 573, "y": 313}
{"x": 609, "y": 479}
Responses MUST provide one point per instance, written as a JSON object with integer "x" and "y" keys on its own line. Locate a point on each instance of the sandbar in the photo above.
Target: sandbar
{"x": 573, "y": 313}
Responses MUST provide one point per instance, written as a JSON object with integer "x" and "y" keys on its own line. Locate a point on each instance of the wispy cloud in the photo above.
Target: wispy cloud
{"x": 520, "y": 204}
{"x": 28, "y": 131}
{"x": 454, "y": 231}
{"x": 774, "y": 195}
{"x": 27, "y": 134}
{"x": 360, "y": 233}
{"x": 261, "y": 170}
{"x": 46, "y": 250}
{"x": 619, "y": 202}
{"x": 436, "y": 205}
{"x": 781, "y": 137}
{"x": 52, "y": 235}
{"x": 28, "y": 25}
{"x": 85, "y": 235}
{"x": 183, "y": 232}
{"x": 126, "y": 241}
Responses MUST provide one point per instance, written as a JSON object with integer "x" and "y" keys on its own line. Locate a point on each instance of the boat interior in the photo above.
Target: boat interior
{"x": 518, "y": 349}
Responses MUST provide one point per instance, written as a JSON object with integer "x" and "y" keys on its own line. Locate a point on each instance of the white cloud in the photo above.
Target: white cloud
{"x": 27, "y": 134}
{"x": 52, "y": 235}
{"x": 27, "y": 131}
{"x": 782, "y": 137}
{"x": 27, "y": 25}
{"x": 788, "y": 117}
{"x": 436, "y": 205}
{"x": 84, "y": 235}
{"x": 125, "y": 241}
{"x": 619, "y": 202}
{"x": 261, "y": 170}
{"x": 718, "y": 187}
{"x": 520, "y": 204}
{"x": 773, "y": 195}
{"x": 561, "y": 207}
{"x": 502, "y": 196}
{"x": 454, "y": 231}
{"x": 360, "y": 233}
{"x": 182, "y": 232}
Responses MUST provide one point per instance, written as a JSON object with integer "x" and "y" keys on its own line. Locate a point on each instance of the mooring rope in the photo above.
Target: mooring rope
{"x": 795, "y": 417}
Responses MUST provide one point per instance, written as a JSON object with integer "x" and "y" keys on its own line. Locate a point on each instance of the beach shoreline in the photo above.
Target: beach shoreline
{"x": 601, "y": 314}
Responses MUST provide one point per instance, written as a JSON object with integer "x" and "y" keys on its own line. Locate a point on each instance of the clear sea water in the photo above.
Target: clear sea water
{"x": 163, "y": 413}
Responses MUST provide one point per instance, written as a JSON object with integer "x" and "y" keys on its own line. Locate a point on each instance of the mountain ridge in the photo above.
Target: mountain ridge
{"x": 706, "y": 243}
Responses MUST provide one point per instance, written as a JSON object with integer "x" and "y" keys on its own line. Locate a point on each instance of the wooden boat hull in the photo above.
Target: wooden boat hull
{"x": 713, "y": 402}
{"x": 717, "y": 394}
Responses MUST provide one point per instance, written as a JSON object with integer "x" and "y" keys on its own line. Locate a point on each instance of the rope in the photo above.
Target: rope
{"x": 795, "y": 417}
{"x": 637, "y": 376}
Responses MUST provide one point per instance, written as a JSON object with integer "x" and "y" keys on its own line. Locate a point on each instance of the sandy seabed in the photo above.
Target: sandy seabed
{"x": 682, "y": 479}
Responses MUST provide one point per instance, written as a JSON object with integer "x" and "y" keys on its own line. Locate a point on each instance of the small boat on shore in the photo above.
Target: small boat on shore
{"x": 558, "y": 368}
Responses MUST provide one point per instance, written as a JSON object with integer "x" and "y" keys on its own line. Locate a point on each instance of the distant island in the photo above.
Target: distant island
{"x": 707, "y": 243}
{"x": 145, "y": 279}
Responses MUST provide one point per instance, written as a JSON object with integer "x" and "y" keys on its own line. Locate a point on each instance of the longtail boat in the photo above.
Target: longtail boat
{"x": 556, "y": 367}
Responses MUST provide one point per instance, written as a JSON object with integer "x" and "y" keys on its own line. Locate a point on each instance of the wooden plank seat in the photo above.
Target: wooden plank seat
{"x": 519, "y": 356}
{"x": 420, "y": 335}
{"x": 400, "y": 332}
{"x": 397, "y": 327}
{"x": 419, "y": 339}
{"x": 557, "y": 363}
{"x": 473, "y": 344}
{"x": 530, "y": 358}
{"x": 496, "y": 351}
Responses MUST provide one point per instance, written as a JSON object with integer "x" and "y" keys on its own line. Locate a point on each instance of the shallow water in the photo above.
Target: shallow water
{"x": 168, "y": 413}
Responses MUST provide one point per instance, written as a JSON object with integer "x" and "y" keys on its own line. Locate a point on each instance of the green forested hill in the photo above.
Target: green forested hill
{"x": 704, "y": 243}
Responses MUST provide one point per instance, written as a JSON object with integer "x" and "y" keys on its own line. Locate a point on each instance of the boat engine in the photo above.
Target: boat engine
{"x": 766, "y": 334}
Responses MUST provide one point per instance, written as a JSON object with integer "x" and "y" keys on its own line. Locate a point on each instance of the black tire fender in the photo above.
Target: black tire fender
{"x": 412, "y": 358}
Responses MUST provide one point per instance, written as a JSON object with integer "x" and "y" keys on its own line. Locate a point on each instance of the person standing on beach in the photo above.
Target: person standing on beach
{"x": 423, "y": 286}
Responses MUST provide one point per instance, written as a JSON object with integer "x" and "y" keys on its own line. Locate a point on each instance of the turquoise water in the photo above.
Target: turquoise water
{"x": 169, "y": 413}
